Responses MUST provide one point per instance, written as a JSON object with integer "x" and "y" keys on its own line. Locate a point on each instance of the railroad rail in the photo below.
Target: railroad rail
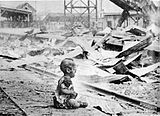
{"x": 8, "y": 106}
{"x": 40, "y": 71}
{"x": 135, "y": 101}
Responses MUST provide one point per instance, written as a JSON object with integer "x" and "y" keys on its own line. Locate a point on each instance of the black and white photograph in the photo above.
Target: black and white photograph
{"x": 79, "y": 57}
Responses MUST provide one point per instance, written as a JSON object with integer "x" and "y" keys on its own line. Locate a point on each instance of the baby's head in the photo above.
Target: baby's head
{"x": 68, "y": 67}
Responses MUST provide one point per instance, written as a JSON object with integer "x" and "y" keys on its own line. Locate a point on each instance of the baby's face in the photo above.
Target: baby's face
{"x": 73, "y": 71}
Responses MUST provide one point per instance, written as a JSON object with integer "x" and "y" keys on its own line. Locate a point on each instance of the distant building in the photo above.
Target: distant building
{"x": 111, "y": 20}
{"x": 21, "y": 16}
{"x": 28, "y": 7}
{"x": 54, "y": 17}
{"x": 56, "y": 20}
{"x": 53, "y": 20}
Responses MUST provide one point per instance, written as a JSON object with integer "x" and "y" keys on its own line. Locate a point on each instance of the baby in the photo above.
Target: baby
{"x": 65, "y": 94}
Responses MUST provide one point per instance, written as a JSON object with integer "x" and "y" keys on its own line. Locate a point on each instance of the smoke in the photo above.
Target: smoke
{"x": 150, "y": 10}
{"x": 155, "y": 18}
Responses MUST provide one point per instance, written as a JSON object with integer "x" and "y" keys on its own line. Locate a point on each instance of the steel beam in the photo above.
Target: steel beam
{"x": 89, "y": 6}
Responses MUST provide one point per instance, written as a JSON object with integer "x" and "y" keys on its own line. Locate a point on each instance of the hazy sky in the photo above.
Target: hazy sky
{"x": 56, "y": 5}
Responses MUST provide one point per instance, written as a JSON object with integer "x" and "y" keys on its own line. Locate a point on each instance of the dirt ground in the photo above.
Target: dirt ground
{"x": 33, "y": 94}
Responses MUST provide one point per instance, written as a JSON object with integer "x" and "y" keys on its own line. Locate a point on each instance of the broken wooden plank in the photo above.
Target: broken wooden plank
{"x": 136, "y": 101}
{"x": 71, "y": 54}
{"x": 8, "y": 57}
{"x": 84, "y": 44}
{"x": 136, "y": 31}
{"x": 142, "y": 44}
{"x": 107, "y": 30}
{"x": 119, "y": 79}
{"x": 119, "y": 34}
{"x": 36, "y": 52}
{"x": 110, "y": 70}
{"x": 43, "y": 72}
{"x": 108, "y": 62}
{"x": 120, "y": 68}
{"x": 113, "y": 47}
{"x": 113, "y": 44}
{"x": 131, "y": 43}
{"x": 124, "y": 5}
{"x": 23, "y": 37}
{"x": 27, "y": 61}
{"x": 142, "y": 71}
{"x": 132, "y": 59}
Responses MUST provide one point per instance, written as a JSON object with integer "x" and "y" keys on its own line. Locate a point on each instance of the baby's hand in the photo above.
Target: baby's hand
{"x": 71, "y": 88}
{"x": 74, "y": 95}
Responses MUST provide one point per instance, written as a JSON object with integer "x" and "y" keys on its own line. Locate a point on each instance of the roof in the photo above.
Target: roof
{"x": 15, "y": 10}
{"x": 26, "y": 6}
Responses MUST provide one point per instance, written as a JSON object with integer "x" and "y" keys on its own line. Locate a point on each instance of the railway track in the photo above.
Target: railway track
{"x": 8, "y": 107}
{"x": 136, "y": 102}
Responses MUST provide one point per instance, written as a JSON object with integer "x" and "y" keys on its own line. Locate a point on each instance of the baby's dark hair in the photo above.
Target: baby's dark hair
{"x": 66, "y": 63}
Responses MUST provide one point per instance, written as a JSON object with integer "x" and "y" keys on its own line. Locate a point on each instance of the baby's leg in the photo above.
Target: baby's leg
{"x": 72, "y": 103}
{"x": 83, "y": 104}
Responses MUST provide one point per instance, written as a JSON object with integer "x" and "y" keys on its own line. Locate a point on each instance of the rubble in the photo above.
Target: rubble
{"x": 142, "y": 44}
{"x": 115, "y": 61}
{"x": 145, "y": 70}
{"x": 104, "y": 32}
{"x": 118, "y": 67}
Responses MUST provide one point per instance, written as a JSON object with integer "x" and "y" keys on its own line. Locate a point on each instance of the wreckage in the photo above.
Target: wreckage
{"x": 118, "y": 73}
{"x": 144, "y": 9}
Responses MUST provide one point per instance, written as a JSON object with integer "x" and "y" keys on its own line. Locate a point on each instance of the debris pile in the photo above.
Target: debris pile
{"x": 125, "y": 60}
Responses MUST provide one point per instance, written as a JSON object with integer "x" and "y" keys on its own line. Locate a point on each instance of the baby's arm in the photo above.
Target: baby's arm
{"x": 71, "y": 87}
{"x": 73, "y": 96}
{"x": 65, "y": 90}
